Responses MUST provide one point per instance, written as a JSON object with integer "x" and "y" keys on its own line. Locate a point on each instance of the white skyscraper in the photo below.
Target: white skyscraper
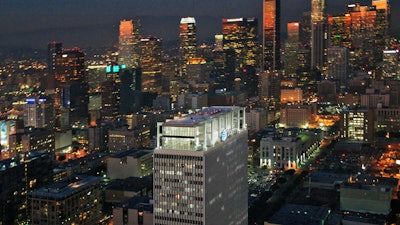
{"x": 200, "y": 169}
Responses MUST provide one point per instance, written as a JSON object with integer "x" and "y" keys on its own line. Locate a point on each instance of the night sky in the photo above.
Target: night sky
{"x": 94, "y": 23}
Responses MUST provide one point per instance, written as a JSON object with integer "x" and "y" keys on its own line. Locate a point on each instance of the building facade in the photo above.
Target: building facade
{"x": 74, "y": 200}
{"x": 271, "y": 34}
{"x": 187, "y": 42}
{"x": 200, "y": 168}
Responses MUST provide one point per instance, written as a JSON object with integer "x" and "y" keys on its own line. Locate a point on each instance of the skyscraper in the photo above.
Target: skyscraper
{"x": 271, "y": 34}
{"x": 319, "y": 37}
{"x": 338, "y": 69}
{"x": 151, "y": 64}
{"x": 292, "y": 45}
{"x": 200, "y": 168}
{"x": 187, "y": 42}
{"x": 71, "y": 86}
{"x": 241, "y": 35}
{"x": 129, "y": 40}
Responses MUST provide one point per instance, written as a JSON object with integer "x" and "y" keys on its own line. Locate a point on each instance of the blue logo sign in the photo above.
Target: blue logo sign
{"x": 224, "y": 135}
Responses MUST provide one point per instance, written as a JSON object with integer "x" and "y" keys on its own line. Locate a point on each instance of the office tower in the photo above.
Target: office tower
{"x": 367, "y": 51}
{"x": 200, "y": 168}
{"x": 125, "y": 139}
{"x": 48, "y": 80}
{"x": 52, "y": 49}
{"x": 241, "y": 35}
{"x": 340, "y": 30}
{"x": 382, "y": 27}
{"x": 338, "y": 69}
{"x": 39, "y": 112}
{"x": 130, "y": 90}
{"x": 129, "y": 43}
{"x": 271, "y": 34}
{"x": 317, "y": 11}
{"x": 187, "y": 42}
{"x": 70, "y": 75}
{"x": 69, "y": 65}
{"x": 319, "y": 37}
{"x": 151, "y": 64}
{"x": 75, "y": 200}
{"x": 292, "y": 46}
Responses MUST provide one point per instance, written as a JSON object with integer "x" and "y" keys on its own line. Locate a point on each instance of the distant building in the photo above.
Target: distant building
{"x": 271, "y": 34}
{"x": 241, "y": 36}
{"x": 129, "y": 43}
{"x": 292, "y": 46}
{"x": 75, "y": 200}
{"x": 187, "y": 42}
{"x": 136, "y": 211}
{"x": 39, "y": 112}
{"x": 338, "y": 59}
{"x": 132, "y": 163}
{"x": 151, "y": 64}
{"x": 71, "y": 99}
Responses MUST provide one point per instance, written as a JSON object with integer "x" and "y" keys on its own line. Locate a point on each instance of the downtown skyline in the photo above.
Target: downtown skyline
{"x": 95, "y": 23}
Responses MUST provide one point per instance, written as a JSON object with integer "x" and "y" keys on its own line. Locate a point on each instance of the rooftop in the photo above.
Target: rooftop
{"x": 196, "y": 118}
{"x": 65, "y": 188}
{"x": 134, "y": 152}
{"x": 300, "y": 214}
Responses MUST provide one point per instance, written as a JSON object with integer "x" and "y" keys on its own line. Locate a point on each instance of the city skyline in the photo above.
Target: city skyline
{"x": 94, "y": 24}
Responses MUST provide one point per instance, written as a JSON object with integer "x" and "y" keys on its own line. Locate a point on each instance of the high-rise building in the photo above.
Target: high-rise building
{"x": 129, "y": 43}
{"x": 319, "y": 37}
{"x": 187, "y": 42}
{"x": 151, "y": 64}
{"x": 340, "y": 29}
{"x": 271, "y": 34}
{"x": 292, "y": 46}
{"x": 200, "y": 168}
{"x": 367, "y": 49}
{"x": 382, "y": 27}
{"x": 71, "y": 86}
{"x": 317, "y": 11}
{"x": 241, "y": 35}
{"x": 52, "y": 49}
{"x": 338, "y": 69}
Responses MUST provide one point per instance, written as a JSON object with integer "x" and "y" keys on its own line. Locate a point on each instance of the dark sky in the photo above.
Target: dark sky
{"x": 94, "y": 23}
